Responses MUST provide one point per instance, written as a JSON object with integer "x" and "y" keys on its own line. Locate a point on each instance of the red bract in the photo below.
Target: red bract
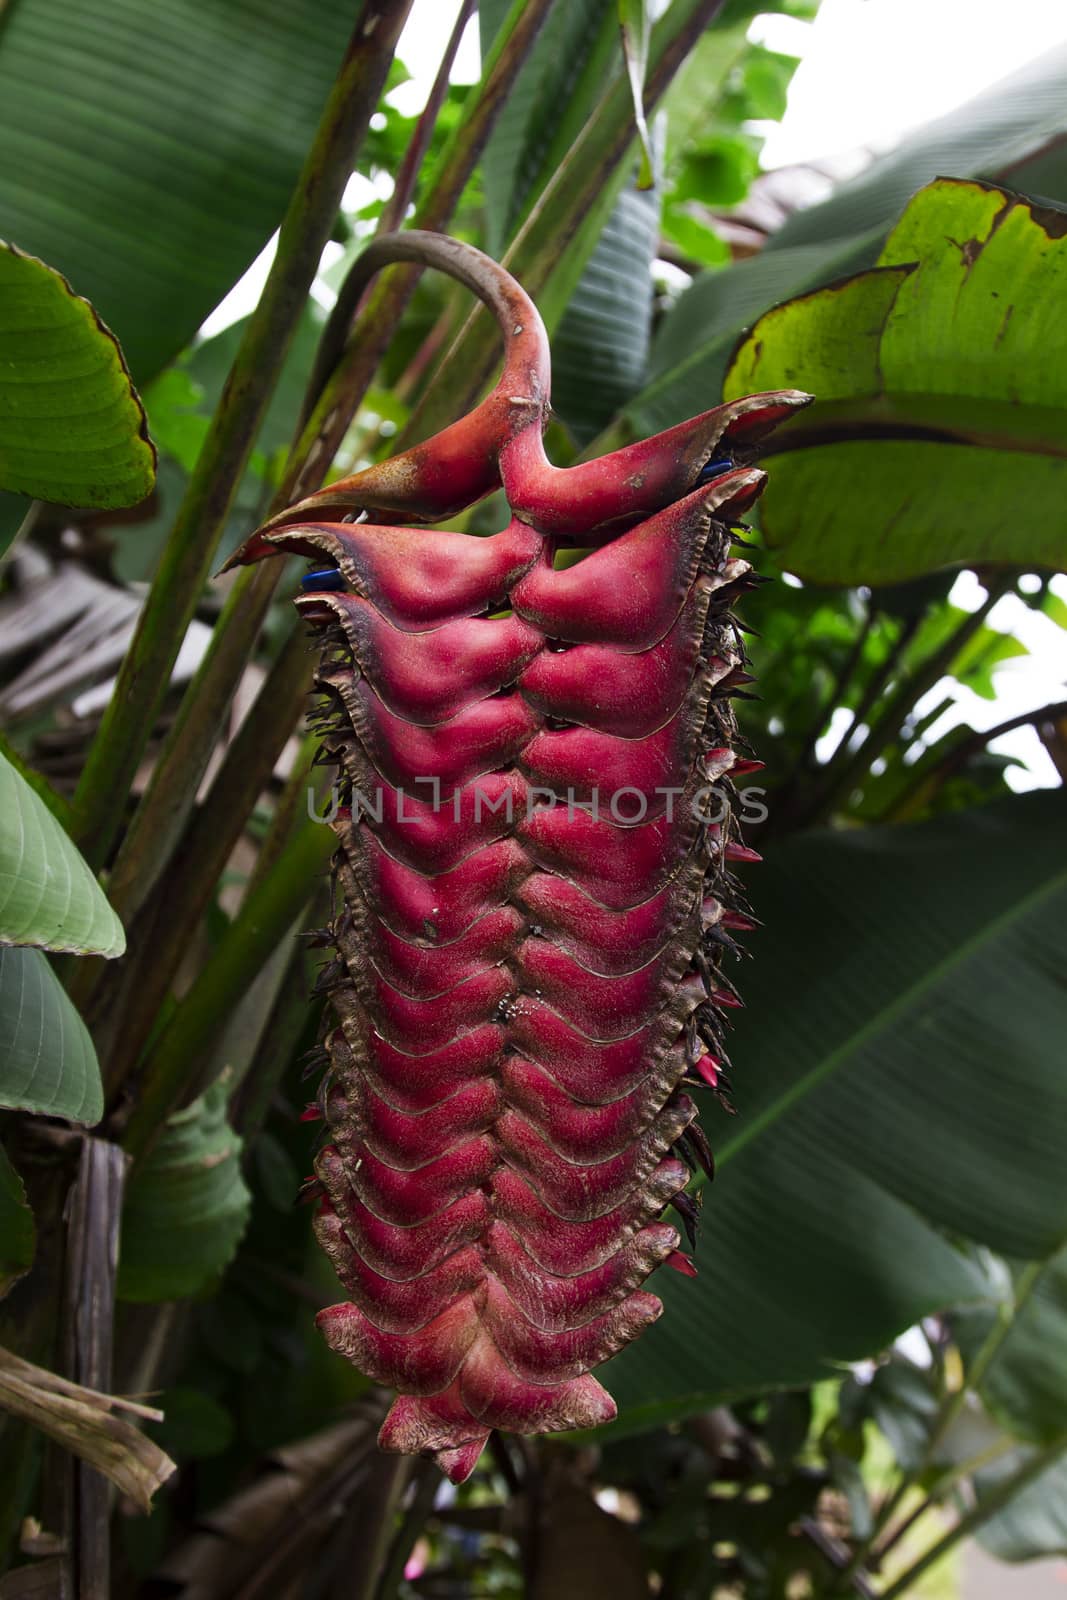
{"x": 535, "y": 838}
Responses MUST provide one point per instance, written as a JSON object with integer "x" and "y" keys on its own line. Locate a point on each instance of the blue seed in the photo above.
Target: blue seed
{"x": 714, "y": 469}
{"x": 323, "y": 578}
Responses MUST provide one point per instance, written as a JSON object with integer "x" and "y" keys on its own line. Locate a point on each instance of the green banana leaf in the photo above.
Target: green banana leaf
{"x": 939, "y": 431}
{"x": 48, "y": 895}
{"x": 1025, "y": 1390}
{"x": 1011, "y": 133}
{"x": 557, "y": 236}
{"x": 1025, "y": 1386}
{"x": 1034, "y": 1523}
{"x": 72, "y": 428}
{"x": 601, "y": 340}
{"x": 47, "y": 1061}
{"x": 898, "y": 1075}
{"x": 150, "y": 147}
{"x": 186, "y": 1206}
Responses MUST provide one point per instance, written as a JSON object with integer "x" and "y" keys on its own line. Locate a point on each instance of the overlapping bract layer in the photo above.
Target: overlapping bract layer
{"x": 535, "y": 845}
{"x": 517, "y": 952}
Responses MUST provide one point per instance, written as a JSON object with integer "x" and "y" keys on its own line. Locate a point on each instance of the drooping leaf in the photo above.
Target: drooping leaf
{"x": 238, "y": 1547}
{"x": 553, "y": 244}
{"x": 888, "y": 1097}
{"x": 186, "y": 1207}
{"x": 847, "y": 1476}
{"x": 692, "y": 348}
{"x": 553, "y": 95}
{"x": 88, "y": 1423}
{"x": 635, "y": 25}
{"x": 150, "y": 147}
{"x": 1013, "y": 128}
{"x": 18, "y": 1237}
{"x": 601, "y": 347}
{"x": 48, "y": 895}
{"x": 1012, "y": 132}
{"x": 903, "y": 1401}
{"x": 1034, "y": 1523}
{"x": 941, "y": 397}
{"x": 47, "y": 1060}
{"x": 1025, "y": 1389}
{"x": 1025, "y": 1386}
{"x": 72, "y": 429}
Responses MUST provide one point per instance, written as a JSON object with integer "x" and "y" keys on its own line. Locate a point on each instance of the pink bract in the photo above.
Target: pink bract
{"x": 531, "y": 892}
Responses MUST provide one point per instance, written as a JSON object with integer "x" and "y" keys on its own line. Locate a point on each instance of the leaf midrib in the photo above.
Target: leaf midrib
{"x": 923, "y": 416}
{"x": 957, "y": 957}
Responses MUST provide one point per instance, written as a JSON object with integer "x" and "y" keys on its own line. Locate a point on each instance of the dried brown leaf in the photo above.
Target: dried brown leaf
{"x": 83, "y": 1421}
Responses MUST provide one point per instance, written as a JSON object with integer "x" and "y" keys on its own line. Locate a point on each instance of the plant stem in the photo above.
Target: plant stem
{"x": 844, "y": 775}
{"x": 427, "y": 1482}
{"x": 988, "y": 1351}
{"x": 987, "y": 1507}
{"x": 190, "y": 549}
{"x": 298, "y": 796}
{"x": 948, "y": 1411}
{"x": 943, "y": 1486}
{"x": 163, "y": 812}
{"x": 879, "y": 680}
{"x": 262, "y": 921}
{"x": 396, "y": 207}
{"x": 385, "y": 304}
{"x": 544, "y": 247}
{"x": 93, "y": 1249}
{"x": 799, "y": 799}
{"x": 840, "y": 683}
{"x": 252, "y": 1031}
{"x": 832, "y": 1551}
{"x": 379, "y": 1505}
{"x": 1053, "y": 735}
{"x": 286, "y": 1023}
{"x": 124, "y": 1015}
{"x": 929, "y": 778}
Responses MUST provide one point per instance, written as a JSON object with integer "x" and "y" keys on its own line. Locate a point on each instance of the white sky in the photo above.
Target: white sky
{"x": 870, "y": 70}
{"x": 422, "y": 43}
{"x": 1025, "y": 683}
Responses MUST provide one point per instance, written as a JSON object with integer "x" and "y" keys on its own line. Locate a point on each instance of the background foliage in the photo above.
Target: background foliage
{"x": 865, "y": 1369}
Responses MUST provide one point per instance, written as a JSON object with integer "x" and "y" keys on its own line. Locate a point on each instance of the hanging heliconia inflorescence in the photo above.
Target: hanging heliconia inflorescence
{"x": 535, "y": 885}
